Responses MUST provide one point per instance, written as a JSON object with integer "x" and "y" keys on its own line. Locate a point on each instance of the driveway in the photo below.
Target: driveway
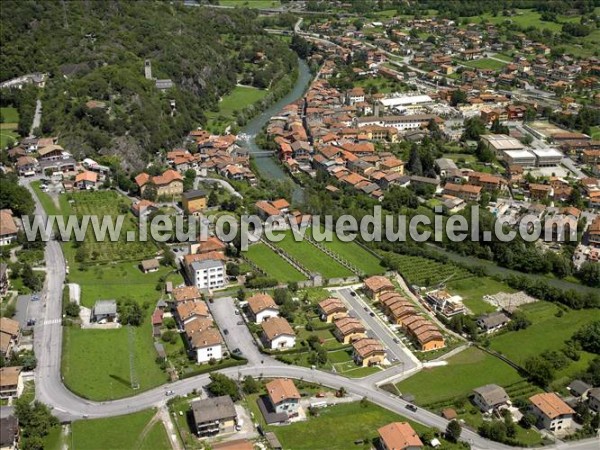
{"x": 381, "y": 330}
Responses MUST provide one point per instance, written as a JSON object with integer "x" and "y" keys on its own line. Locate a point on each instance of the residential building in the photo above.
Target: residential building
{"x": 368, "y": 352}
{"x": 184, "y": 294}
{"x": 261, "y": 307}
{"x": 466, "y": 192}
{"x": 579, "y": 389}
{"x": 377, "y": 285}
{"x": 207, "y": 245}
{"x": 284, "y": 396}
{"x": 194, "y": 202}
{"x": 188, "y": 311}
{"x": 594, "y": 399}
{"x": 8, "y": 227}
{"x": 11, "y": 382}
{"x": 277, "y": 334}
{"x": 206, "y": 270}
{"x": 10, "y": 333}
{"x": 169, "y": 184}
{"x": 490, "y": 397}
{"x": 143, "y": 208}
{"x": 552, "y": 412}
{"x": 105, "y": 310}
{"x": 445, "y": 303}
{"x": 399, "y": 436}
{"x": 489, "y": 323}
{"x": 332, "y": 309}
{"x": 349, "y": 329}
{"x": 214, "y": 416}
{"x": 204, "y": 340}
{"x": 150, "y": 265}
{"x": 4, "y": 280}
{"x": 86, "y": 180}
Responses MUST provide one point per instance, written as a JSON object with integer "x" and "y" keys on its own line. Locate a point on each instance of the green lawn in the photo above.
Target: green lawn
{"x": 251, "y": 3}
{"x": 472, "y": 291}
{"x": 120, "y": 433}
{"x": 10, "y": 115}
{"x": 469, "y": 369}
{"x": 95, "y": 363}
{"x": 547, "y": 332}
{"x": 273, "y": 264}
{"x": 383, "y": 85}
{"x": 595, "y": 133}
{"x": 355, "y": 255}
{"x": 337, "y": 427}
{"x": 484, "y": 63}
{"x": 238, "y": 99}
{"x": 312, "y": 258}
{"x": 8, "y": 127}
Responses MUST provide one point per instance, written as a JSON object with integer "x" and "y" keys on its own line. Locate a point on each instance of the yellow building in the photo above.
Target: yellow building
{"x": 194, "y": 202}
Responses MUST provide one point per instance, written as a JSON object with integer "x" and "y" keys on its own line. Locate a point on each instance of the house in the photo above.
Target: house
{"x": 277, "y": 334}
{"x": 188, "y": 311}
{"x": 349, "y": 329}
{"x": 594, "y": 399}
{"x": 170, "y": 183}
{"x": 10, "y": 332}
{"x": 184, "y": 294}
{"x": 194, "y": 202}
{"x": 377, "y": 285}
{"x": 551, "y": 411}
{"x": 492, "y": 322}
{"x": 237, "y": 444}
{"x": 262, "y": 306}
{"x": 447, "y": 304}
{"x": 11, "y": 382}
{"x": 9, "y": 429}
{"x": 207, "y": 245}
{"x": 204, "y": 340}
{"x": 214, "y": 416}
{"x": 467, "y": 192}
{"x": 490, "y": 397}
{"x": 8, "y": 227}
{"x": 206, "y": 270}
{"x": 399, "y": 436}
{"x": 150, "y": 265}
{"x": 368, "y": 352}
{"x": 332, "y": 309}
{"x": 267, "y": 209}
{"x": 284, "y": 396}
{"x": 27, "y": 165}
{"x": 143, "y": 208}
{"x": 157, "y": 321}
{"x": 579, "y": 389}
{"x": 105, "y": 310}
{"x": 86, "y": 180}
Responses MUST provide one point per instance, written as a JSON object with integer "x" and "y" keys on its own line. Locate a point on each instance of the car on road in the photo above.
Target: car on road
{"x": 236, "y": 351}
{"x": 169, "y": 393}
{"x": 372, "y": 314}
{"x": 353, "y": 294}
{"x": 240, "y": 322}
{"x": 411, "y": 407}
{"x": 30, "y": 322}
{"x": 35, "y": 297}
{"x": 225, "y": 331}
{"x": 396, "y": 340}
{"x": 237, "y": 313}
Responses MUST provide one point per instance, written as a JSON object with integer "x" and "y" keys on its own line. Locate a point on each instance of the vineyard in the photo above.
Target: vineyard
{"x": 426, "y": 272}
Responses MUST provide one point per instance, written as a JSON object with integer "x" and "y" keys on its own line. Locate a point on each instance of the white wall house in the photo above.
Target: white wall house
{"x": 208, "y": 274}
{"x": 205, "y": 354}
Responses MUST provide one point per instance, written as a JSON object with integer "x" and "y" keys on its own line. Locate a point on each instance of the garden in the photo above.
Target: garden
{"x": 273, "y": 264}
{"x": 427, "y": 272}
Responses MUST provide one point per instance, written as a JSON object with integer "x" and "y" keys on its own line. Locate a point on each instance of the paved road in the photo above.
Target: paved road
{"x": 382, "y": 331}
{"x": 37, "y": 117}
{"x": 228, "y": 187}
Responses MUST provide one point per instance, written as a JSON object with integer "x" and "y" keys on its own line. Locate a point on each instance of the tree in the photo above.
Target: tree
{"x": 453, "y": 431}
{"x": 589, "y": 274}
{"x": 15, "y": 197}
{"x": 150, "y": 192}
{"x": 30, "y": 279}
{"x": 474, "y": 127}
{"x": 241, "y": 295}
{"x": 250, "y": 385}
{"x": 528, "y": 420}
{"x": 130, "y": 313}
{"x": 589, "y": 337}
{"x": 213, "y": 199}
{"x": 223, "y": 385}
{"x": 414, "y": 162}
{"x": 458, "y": 97}
{"x": 519, "y": 321}
{"x": 35, "y": 422}
{"x": 72, "y": 309}
{"x": 540, "y": 371}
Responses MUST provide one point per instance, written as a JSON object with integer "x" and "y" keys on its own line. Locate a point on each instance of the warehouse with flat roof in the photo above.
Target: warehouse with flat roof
{"x": 547, "y": 157}
{"x": 523, "y": 158}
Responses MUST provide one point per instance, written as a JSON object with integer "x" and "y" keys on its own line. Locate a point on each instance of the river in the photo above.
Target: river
{"x": 267, "y": 166}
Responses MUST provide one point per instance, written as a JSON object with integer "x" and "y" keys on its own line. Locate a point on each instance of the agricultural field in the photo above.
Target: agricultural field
{"x": 312, "y": 258}
{"x": 473, "y": 289}
{"x": 380, "y": 85}
{"x": 484, "y": 63}
{"x": 549, "y": 331}
{"x": 95, "y": 363}
{"x": 240, "y": 98}
{"x": 355, "y": 255}
{"x": 105, "y": 205}
{"x": 527, "y": 18}
{"x": 465, "y": 371}
{"x": 139, "y": 430}
{"x": 273, "y": 264}
{"x": 426, "y": 272}
{"x": 8, "y": 126}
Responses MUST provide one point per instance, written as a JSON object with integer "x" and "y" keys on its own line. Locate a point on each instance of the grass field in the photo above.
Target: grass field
{"x": 132, "y": 431}
{"x": 312, "y": 258}
{"x": 472, "y": 291}
{"x": 383, "y": 85}
{"x": 595, "y": 133}
{"x": 251, "y": 3}
{"x": 240, "y": 98}
{"x": 547, "y": 332}
{"x": 484, "y": 63}
{"x": 95, "y": 363}
{"x": 469, "y": 369}
{"x": 273, "y": 264}
{"x": 355, "y": 255}
{"x": 527, "y": 18}
{"x": 9, "y": 126}
{"x": 427, "y": 272}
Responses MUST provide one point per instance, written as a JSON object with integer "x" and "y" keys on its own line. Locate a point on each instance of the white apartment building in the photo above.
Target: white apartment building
{"x": 208, "y": 274}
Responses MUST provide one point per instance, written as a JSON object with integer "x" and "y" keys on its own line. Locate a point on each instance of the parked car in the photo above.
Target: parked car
{"x": 411, "y": 407}
{"x": 240, "y": 322}
{"x": 225, "y": 331}
{"x": 372, "y": 314}
{"x": 169, "y": 393}
{"x": 396, "y": 340}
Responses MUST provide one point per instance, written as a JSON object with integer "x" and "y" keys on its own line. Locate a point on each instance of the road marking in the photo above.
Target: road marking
{"x": 52, "y": 321}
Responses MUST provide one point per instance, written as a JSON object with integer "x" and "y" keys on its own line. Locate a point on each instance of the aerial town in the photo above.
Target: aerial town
{"x": 279, "y": 113}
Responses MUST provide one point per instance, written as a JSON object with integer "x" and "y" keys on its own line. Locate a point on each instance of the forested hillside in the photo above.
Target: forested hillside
{"x": 95, "y": 50}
